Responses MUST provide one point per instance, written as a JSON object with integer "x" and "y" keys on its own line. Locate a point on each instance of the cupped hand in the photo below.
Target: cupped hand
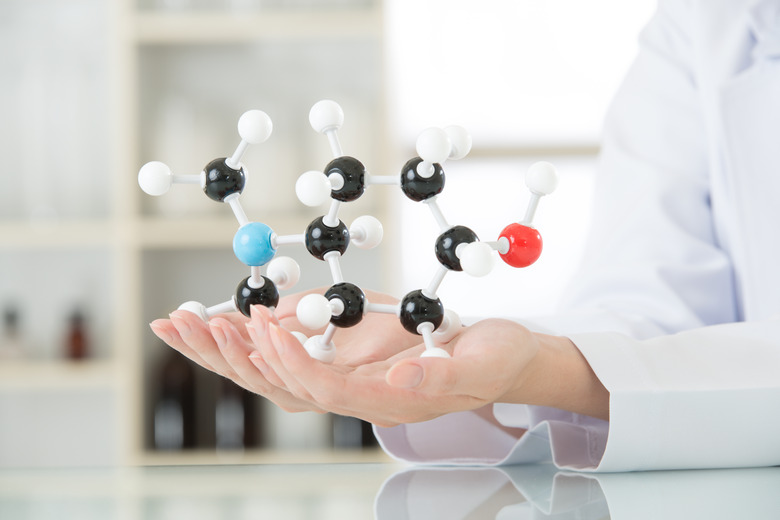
{"x": 232, "y": 345}
{"x": 489, "y": 363}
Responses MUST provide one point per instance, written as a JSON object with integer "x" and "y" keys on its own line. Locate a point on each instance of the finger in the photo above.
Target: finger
{"x": 166, "y": 331}
{"x": 345, "y": 392}
{"x": 270, "y": 346}
{"x": 199, "y": 337}
{"x": 237, "y": 354}
{"x": 238, "y": 321}
{"x": 257, "y": 330}
{"x": 256, "y": 357}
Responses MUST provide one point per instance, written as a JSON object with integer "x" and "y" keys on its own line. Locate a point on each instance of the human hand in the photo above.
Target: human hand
{"x": 490, "y": 363}
{"x": 225, "y": 343}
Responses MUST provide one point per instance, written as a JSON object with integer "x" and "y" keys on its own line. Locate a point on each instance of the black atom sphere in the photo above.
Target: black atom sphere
{"x": 267, "y": 295}
{"x": 222, "y": 180}
{"x": 354, "y": 174}
{"x": 448, "y": 243}
{"x": 354, "y": 301}
{"x": 416, "y": 308}
{"x": 322, "y": 239}
{"x": 419, "y": 188}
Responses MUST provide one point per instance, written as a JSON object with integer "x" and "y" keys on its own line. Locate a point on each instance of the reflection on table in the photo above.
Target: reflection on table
{"x": 541, "y": 491}
{"x": 386, "y": 492}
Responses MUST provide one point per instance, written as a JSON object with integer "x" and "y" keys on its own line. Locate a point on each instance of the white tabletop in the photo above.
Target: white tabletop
{"x": 384, "y": 491}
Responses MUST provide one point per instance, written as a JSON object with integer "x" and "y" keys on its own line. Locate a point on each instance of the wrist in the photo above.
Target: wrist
{"x": 559, "y": 376}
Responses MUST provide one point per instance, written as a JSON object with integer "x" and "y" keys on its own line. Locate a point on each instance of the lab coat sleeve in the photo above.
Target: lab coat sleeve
{"x": 704, "y": 398}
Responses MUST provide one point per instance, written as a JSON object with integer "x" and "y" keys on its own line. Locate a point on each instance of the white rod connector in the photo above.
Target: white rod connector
{"x": 186, "y": 179}
{"x": 327, "y": 337}
{"x": 426, "y": 169}
{"x": 530, "y": 212}
{"x": 437, "y": 214}
{"x": 383, "y": 308}
{"x": 433, "y": 287}
{"x": 238, "y": 211}
{"x": 234, "y": 161}
{"x": 501, "y": 245}
{"x": 426, "y": 330}
{"x": 387, "y": 180}
{"x": 332, "y": 258}
{"x": 336, "y": 306}
{"x": 332, "y": 219}
{"x": 336, "y": 181}
{"x": 335, "y": 145}
{"x": 222, "y": 308}
{"x": 279, "y": 240}
{"x": 256, "y": 278}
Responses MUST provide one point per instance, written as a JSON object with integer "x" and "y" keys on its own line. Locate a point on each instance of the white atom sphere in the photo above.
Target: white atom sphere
{"x": 312, "y": 188}
{"x": 284, "y": 272}
{"x": 195, "y": 308}
{"x": 366, "y": 232}
{"x": 319, "y": 351}
{"x": 476, "y": 258}
{"x": 460, "y": 140}
{"x": 255, "y": 126}
{"x": 433, "y": 145}
{"x": 541, "y": 178}
{"x": 326, "y": 115}
{"x": 449, "y": 327}
{"x": 313, "y": 311}
{"x": 155, "y": 178}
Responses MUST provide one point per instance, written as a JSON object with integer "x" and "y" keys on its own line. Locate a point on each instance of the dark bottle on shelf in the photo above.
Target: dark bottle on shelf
{"x": 235, "y": 418}
{"x": 174, "y": 406}
{"x": 11, "y": 344}
{"x": 76, "y": 341}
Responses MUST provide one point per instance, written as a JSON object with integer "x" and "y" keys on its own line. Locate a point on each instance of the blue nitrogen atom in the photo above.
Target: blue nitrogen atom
{"x": 252, "y": 244}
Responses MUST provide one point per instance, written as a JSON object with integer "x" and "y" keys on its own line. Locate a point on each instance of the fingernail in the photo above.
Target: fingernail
{"x": 219, "y": 335}
{"x": 276, "y": 337}
{"x": 252, "y": 330}
{"x": 257, "y": 360}
{"x": 160, "y": 332}
{"x": 181, "y": 325}
{"x": 406, "y": 376}
{"x": 259, "y": 320}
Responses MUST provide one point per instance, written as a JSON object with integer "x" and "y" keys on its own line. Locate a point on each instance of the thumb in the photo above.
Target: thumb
{"x": 438, "y": 376}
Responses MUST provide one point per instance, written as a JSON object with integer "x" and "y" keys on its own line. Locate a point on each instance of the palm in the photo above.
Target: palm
{"x": 487, "y": 359}
{"x": 377, "y": 337}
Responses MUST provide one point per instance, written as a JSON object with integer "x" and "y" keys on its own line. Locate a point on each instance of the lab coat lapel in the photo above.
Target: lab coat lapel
{"x": 750, "y": 111}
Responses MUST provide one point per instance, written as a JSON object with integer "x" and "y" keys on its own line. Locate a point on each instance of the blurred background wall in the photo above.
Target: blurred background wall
{"x": 91, "y": 89}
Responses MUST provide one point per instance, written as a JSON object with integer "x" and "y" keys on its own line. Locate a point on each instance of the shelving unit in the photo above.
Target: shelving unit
{"x": 215, "y": 63}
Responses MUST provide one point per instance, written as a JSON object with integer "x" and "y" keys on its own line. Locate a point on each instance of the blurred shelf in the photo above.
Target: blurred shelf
{"x": 261, "y": 456}
{"x": 509, "y": 151}
{"x": 205, "y": 232}
{"x": 56, "y": 374}
{"x": 46, "y": 234}
{"x": 206, "y": 27}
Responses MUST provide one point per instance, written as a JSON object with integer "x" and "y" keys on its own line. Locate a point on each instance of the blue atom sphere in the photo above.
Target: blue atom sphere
{"x": 252, "y": 244}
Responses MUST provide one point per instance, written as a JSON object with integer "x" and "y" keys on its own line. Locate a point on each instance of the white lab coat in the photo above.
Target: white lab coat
{"x": 677, "y": 302}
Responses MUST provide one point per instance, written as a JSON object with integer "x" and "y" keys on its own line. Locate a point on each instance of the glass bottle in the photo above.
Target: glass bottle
{"x": 76, "y": 341}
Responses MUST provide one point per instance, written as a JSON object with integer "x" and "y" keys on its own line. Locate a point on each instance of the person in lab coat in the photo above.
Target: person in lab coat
{"x": 667, "y": 352}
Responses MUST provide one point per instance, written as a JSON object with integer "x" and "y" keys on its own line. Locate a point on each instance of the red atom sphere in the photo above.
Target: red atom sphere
{"x": 525, "y": 245}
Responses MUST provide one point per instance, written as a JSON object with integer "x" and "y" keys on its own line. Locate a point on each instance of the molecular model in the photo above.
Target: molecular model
{"x": 327, "y": 238}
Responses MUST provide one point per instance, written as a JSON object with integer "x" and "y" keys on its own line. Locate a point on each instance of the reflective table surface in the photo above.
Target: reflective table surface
{"x": 385, "y": 491}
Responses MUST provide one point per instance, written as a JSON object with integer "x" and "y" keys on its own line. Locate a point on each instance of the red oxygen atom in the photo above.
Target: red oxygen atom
{"x": 525, "y": 245}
